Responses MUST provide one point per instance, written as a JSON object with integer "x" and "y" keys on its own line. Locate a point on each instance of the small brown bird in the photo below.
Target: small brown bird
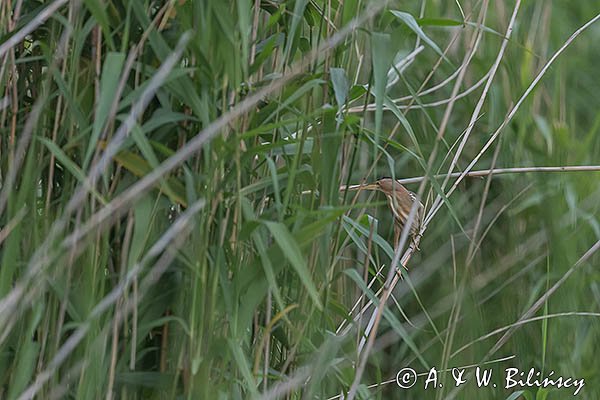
{"x": 400, "y": 201}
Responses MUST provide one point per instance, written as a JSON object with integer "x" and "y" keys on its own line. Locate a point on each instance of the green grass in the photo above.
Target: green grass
{"x": 172, "y": 224}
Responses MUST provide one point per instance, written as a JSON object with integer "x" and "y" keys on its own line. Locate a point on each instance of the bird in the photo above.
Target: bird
{"x": 400, "y": 201}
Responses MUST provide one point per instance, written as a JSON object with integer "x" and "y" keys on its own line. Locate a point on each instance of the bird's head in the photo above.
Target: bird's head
{"x": 389, "y": 185}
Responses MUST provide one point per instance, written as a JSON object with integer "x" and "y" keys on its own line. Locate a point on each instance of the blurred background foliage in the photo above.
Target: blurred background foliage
{"x": 231, "y": 275}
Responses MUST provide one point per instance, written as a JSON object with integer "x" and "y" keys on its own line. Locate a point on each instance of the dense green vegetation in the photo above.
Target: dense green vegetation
{"x": 174, "y": 222}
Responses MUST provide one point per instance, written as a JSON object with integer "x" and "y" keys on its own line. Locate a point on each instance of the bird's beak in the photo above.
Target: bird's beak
{"x": 370, "y": 186}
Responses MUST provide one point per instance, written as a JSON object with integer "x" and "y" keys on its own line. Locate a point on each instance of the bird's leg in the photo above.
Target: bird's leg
{"x": 415, "y": 241}
{"x": 397, "y": 233}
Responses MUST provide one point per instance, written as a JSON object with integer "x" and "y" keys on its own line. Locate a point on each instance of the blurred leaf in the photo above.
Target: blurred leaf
{"x": 389, "y": 316}
{"x": 109, "y": 82}
{"x": 267, "y": 182}
{"x": 28, "y": 356}
{"x": 360, "y": 244}
{"x": 340, "y": 85}
{"x": 438, "y": 22}
{"x": 156, "y": 380}
{"x": 304, "y": 45}
{"x": 163, "y": 116}
{"x": 527, "y": 394}
{"x": 410, "y": 21}
{"x": 515, "y": 395}
{"x": 356, "y": 92}
{"x": 545, "y": 130}
{"x": 292, "y": 251}
{"x": 382, "y": 56}
{"x": 385, "y": 246}
{"x": 98, "y": 10}
{"x": 243, "y": 366}
{"x": 135, "y": 164}
{"x": 275, "y": 180}
{"x": 261, "y": 248}
{"x": 297, "y": 14}
{"x": 264, "y": 50}
{"x": 411, "y": 134}
{"x": 73, "y": 168}
{"x": 245, "y": 28}
{"x": 143, "y": 216}
{"x": 297, "y": 94}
